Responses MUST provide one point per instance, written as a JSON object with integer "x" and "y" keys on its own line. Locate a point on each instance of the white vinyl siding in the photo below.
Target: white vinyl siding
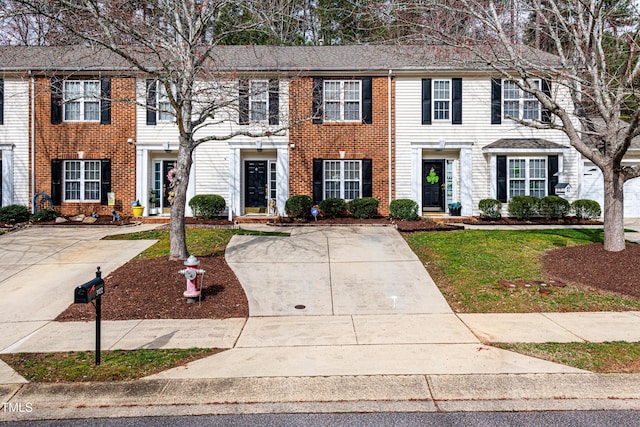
{"x": 81, "y": 100}
{"x": 14, "y": 137}
{"x": 410, "y": 137}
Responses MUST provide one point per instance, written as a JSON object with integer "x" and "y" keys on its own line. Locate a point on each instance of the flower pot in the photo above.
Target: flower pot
{"x": 455, "y": 211}
{"x": 137, "y": 210}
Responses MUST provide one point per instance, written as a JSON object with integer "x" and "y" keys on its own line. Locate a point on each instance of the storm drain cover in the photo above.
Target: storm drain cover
{"x": 300, "y": 307}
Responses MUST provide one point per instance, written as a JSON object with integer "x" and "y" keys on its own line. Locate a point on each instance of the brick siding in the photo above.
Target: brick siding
{"x": 98, "y": 141}
{"x": 326, "y": 140}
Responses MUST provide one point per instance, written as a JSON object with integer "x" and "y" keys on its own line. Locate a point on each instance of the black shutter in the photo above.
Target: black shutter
{"x": 56, "y": 100}
{"x": 367, "y": 178}
{"x": 105, "y": 180}
{"x": 546, "y": 89}
{"x": 317, "y": 100}
{"x": 317, "y": 180}
{"x": 274, "y": 102}
{"x": 151, "y": 102}
{"x": 56, "y": 182}
{"x": 1, "y": 101}
{"x": 496, "y": 101}
{"x": 243, "y": 101}
{"x": 105, "y": 101}
{"x": 502, "y": 178}
{"x": 367, "y": 104}
{"x": 426, "y": 101}
{"x": 552, "y": 170}
{"x": 456, "y": 98}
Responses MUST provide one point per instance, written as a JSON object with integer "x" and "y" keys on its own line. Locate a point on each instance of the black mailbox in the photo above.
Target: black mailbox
{"x": 89, "y": 291}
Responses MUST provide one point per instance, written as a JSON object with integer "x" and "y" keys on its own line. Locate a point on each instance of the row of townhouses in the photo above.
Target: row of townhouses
{"x": 354, "y": 121}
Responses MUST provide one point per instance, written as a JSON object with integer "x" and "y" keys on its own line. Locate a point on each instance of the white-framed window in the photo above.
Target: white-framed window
{"x": 166, "y": 113}
{"x": 441, "y": 99}
{"x": 81, "y": 100}
{"x": 82, "y": 180}
{"x": 518, "y": 104}
{"x": 342, "y": 179}
{"x": 527, "y": 176}
{"x": 342, "y": 100}
{"x": 258, "y": 100}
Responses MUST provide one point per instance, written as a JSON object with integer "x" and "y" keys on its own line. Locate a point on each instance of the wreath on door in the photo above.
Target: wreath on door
{"x": 432, "y": 178}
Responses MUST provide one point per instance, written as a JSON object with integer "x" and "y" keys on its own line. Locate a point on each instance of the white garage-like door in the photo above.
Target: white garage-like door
{"x": 593, "y": 188}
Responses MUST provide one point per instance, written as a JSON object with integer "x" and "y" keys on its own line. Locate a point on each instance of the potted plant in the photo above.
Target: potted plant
{"x": 137, "y": 208}
{"x": 455, "y": 209}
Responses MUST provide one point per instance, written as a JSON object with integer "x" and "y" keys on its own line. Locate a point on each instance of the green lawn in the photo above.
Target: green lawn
{"x": 607, "y": 357}
{"x": 467, "y": 265}
{"x": 200, "y": 241}
{"x": 118, "y": 365}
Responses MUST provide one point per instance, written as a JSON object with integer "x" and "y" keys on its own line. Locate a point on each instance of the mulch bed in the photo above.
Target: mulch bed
{"x": 152, "y": 289}
{"x": 590, "y": 265}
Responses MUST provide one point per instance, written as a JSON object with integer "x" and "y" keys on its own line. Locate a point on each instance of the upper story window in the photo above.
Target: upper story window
{"x": 518, "y": 104}
{"x": 259, "y": 100}
{"x": 165, "y": 109}
{"x": 342, "y": 101}
{"x": 441, "y": 99}
{"x": 81, "y": 100}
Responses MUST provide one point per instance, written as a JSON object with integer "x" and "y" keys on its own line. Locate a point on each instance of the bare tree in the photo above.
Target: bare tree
{"x": 174, "y": 42}
{"x": 597, "y": 62}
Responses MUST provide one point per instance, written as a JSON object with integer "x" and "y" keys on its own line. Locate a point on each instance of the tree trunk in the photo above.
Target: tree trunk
{"x": 613, "y": 211}
{"x": 177, "y": 232}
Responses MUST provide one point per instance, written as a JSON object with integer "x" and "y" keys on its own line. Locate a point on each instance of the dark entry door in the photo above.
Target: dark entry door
{"x": 167, "y": 165}
{"x": 255, "y": 186}
{"x": 433, "y": 185}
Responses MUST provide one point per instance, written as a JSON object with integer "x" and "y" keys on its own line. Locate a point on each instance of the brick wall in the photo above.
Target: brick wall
{"x": 326, "y": 140}
{"x": 98, "y": 141}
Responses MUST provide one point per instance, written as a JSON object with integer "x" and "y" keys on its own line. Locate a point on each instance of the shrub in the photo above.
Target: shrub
{"x": 45, "y": 215}
{"x": 523, "y": 207}
{"x": 366, "y": 207}
{"x": 207, "y": 206}
{"x": 404, "y": 209}
{"x": 332, "y": 208}
{"x": 14, "y": 213}
{"x": 554, "y": 207}
{"x": 299, "y": 207}
{"x": 586, "y": 209}
{"x": 490, "y": 208}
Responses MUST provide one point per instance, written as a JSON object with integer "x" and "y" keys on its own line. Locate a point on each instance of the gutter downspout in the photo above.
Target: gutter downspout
{"x": 389, "y": 133}
{"x": 32, "y": 138}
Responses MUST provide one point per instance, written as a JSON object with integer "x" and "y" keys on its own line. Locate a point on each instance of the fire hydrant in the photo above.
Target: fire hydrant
{"x": 191, "y": 274}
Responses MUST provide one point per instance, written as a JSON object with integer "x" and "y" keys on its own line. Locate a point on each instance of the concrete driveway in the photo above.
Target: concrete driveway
{"x": 40, "y": 268}
{"x": 333, "y": 271}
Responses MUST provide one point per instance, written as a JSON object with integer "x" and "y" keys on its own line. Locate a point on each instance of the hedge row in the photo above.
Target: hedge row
{"x": 299, "y": 207}
{"x": 551, "y": 207}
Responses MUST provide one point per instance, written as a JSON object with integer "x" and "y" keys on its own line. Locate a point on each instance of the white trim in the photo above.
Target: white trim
{"x": 7, "y": 174}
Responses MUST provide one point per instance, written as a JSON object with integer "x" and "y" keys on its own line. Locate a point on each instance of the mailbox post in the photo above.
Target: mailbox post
{"x": 87, "y": 292}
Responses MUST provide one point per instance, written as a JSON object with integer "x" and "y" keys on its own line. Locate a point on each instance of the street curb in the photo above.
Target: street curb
{"x": 407, "y": 393}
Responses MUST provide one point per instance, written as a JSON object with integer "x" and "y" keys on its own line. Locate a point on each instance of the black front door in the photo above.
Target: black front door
{"x": 433, "y": 185}
{"x": 167, "y": 190}
{"x": 255, "y": 186}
